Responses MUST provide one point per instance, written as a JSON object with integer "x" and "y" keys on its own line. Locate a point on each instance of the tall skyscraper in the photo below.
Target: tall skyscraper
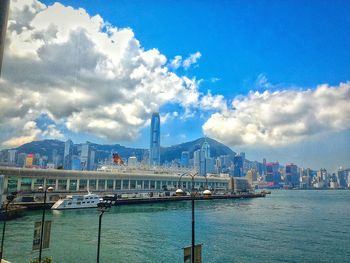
{"x": 206, "y": 164}
{"x": 92, "y": 160}
{"x": 154, "y": 158}
{"x": 68, "y": 154}
{"x": 85, "y": 156}
{"x": 238, "y": 166}
{"x": 196, "y": 159}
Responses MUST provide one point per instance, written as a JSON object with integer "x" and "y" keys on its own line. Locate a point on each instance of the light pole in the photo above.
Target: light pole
{"x": 103, "y": 206}
{"x": 9, "y": 198}
{"x": 50, "y": 189}
{"x": 193, "y": 215}
{"x": 193, "y": 219}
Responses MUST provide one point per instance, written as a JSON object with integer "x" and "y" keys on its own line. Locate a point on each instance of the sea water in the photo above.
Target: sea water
{"x": 286, "y": 226}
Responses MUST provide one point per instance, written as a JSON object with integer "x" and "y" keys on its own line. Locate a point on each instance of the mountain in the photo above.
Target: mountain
{"x": 44, "y": 148}
{"x": 104, "y": 151}
{"x": 168, "y": 154}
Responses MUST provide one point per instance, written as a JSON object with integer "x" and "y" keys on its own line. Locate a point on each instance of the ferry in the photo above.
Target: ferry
{"x": 77, "y": 201}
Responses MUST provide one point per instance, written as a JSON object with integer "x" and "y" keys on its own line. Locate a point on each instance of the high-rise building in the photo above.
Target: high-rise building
{"x": 196, "y": 159}
{"x": 76, "y": 163}
{"x": 21, "y": 160}
{"x": 12, "y": 156}
{"x": 85, "y": 156}
{"x": 343, "y": 177}
{"x": 238, "y": 166}
{"x": 155, "y": 140}
{"x": 252, "y": 176}
{"x": 202, "y": 161}
{"x": 292, "y": 175}
{"x": 204, "y": 158}
{"x": 68, "y": 154}
{"x": 209, "y": 165}
{"x": 272, "y": 173}
{"x": 92, "y": 160}
{"x": 185, "y": 159}
{"x": 29, "y": 160}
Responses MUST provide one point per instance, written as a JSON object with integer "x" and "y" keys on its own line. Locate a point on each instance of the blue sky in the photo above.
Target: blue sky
{"x": 264, "y": 46}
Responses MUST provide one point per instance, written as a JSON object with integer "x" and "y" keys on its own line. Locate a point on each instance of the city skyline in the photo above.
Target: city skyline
{"x": 234, "y": 77}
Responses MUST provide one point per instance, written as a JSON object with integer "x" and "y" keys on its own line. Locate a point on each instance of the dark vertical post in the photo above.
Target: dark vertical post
{"x": 4, "y": 10}
{"x": 42, "y": 227}
{"x": 99, "y": 236}
{"x": 193, "y": 229}
{"x": 3, "y": 232}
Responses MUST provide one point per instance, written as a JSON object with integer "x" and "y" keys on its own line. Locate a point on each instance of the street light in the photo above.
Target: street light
{"x": 49, "y": 189}
{"x": 193, "y": 218}
{"x": 9, "y": 198}
{"x": 103, "y": 206}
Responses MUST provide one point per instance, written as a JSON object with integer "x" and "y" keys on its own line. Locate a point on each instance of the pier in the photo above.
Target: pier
{"x": 149, "y": 200}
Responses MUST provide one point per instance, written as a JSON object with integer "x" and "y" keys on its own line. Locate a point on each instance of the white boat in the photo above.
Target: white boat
{"x": 77, "y": 201}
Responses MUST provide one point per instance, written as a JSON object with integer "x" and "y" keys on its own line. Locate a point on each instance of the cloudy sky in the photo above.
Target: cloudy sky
{"x": 269, "y": 78}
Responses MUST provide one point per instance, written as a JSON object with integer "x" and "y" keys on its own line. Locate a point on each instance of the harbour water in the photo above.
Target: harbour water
{"x": 286, "y": 226}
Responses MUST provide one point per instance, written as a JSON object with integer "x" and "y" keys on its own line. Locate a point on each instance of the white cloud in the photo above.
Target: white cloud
{"x": 178, "y": 62}
{"x": 210, "y": 102}
{"x": 192, "y": 59}
{"x": 282, "y": 117}
{"x": 84, "y": 74}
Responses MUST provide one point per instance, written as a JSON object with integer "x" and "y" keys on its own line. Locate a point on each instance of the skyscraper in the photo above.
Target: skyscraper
{"x": 67, "y": 156}
{"x": 238, "y": 166}
{"x": 206, "y": 164}
{"x": 154, "y": 158}
{"x": 85, "y": 156}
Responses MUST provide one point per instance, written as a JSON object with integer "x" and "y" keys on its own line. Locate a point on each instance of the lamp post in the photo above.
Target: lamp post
{"x": 103, "y": 206}
{"x": 193, "y": 215}
{"x": 50, "y": 189}
{"x": 9, "y": 198}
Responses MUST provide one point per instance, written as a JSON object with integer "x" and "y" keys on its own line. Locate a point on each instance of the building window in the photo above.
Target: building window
{"x": 153, "y": 185}
{"x": 51, "y": 183}
{"x": 110, "y": 184}
{"x": 92, "y": 184}
{"x": 101, "y": 184}
{"x": 126, "y": 184}
{"x": 62, "y": 184}
{"x": 132, "y": 184}
{"x": 38, "y": 182}
{"x": 139, "y": 184}
{"x": 146, "y": 184}
{"x": 118, "y": 184}
{"x": 159, "y": 185}
{"x": 82, "y": 184}
{"x": 26, "y": 184}
{"x": 12, "y": 184}
{"x": 72, "y": 185}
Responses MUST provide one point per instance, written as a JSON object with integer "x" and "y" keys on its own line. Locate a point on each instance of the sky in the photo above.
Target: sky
{"x": 269, "y": 78}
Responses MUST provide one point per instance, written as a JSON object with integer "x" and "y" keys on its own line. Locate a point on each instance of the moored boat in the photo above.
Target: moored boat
{"x": 77, "y": 201}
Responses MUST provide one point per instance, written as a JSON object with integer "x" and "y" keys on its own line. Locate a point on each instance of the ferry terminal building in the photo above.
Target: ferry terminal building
{"x": 26, "y": 181}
